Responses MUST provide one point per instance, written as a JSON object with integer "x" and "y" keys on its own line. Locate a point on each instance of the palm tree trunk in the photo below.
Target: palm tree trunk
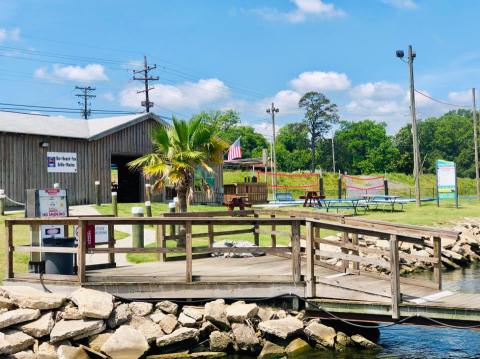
{"x": 182, "y": 200}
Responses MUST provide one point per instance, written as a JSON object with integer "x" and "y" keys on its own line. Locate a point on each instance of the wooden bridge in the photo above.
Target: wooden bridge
{"x": 299, "y": 259}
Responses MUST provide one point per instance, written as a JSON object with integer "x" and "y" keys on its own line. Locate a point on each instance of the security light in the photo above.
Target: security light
{"x": 400, "y": 54}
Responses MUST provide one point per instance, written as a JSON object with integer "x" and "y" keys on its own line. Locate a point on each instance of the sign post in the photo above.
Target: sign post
{"x": 446, "y": 181}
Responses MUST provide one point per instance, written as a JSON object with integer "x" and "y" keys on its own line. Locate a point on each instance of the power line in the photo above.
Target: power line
{"x": 440, "y": 101}
{"x": 86, "y": 95}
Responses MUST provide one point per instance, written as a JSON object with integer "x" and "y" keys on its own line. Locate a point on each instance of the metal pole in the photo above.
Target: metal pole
{"x": 416, "y": 151}
{"x": 274, "y": 153}
{"x": 475, "y": 143}
{"x": 333, "y": 153}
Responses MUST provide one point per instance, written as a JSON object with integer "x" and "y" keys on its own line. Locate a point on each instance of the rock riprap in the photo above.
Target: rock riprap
{"x": 93, "y": 324}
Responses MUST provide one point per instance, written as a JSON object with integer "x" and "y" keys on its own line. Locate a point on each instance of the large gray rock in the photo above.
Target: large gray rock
{"x": 28, "y": 297}
{"x": 89, "y": 334}
{"x": 47, "y": 350}
{"x": 69, "y": 352}
{"x": 194, "y": 312}
{"x": 96, "y": 342}
{"x": 216, "y": 313}
{"x": 186, "y": 321}
{"x": 16, "y": 316}
{"x": 120, "y": 315}
{"x": 178, "y": 336}
{"x": 238, "y": 312}
{"x": 364, "y": 342}
{"x": 157, "y": 316}
{"x": 93, "y": 303}
{"x": 141, "y": 308}
{"x": 14, "y": 341}
{"x": 265, "y": 313}
{"x": 70, "y": 312}
{"x": 298, "y": 348}
{"x": 149, "y": 329}
{"x": 5, "y": 302}
{"x": 167, "y": 307}
{"x": 125, "y": 343}
{"x": 66, "y": 329}
{"x": 219, "y": 341}
{"x": 27, "y": 354}
{"x": 282, "y": 328}
{"x": 342, "y": 340}
{"x": 245, "y": 338}
{"x": 40, "y": 327}
{"x": 271, "y": 351}
{"x": 168, "y": 323}
{"x": 321, "y": 334}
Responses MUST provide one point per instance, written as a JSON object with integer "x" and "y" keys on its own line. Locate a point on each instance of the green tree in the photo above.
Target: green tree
{"x": 364, "y": 147}
{"x": 219, "y": 120}
{"x": 292, "y": 147}
{"x": 320, "y": 115}
{"x": 178, "y": 150}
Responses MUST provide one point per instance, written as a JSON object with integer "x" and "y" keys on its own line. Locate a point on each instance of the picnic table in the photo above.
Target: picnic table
{"x": 232, "y": 201}
{"x": 347, "y": 203}
{"x": 311, "y": 198}
{"x": 375, "y": 200}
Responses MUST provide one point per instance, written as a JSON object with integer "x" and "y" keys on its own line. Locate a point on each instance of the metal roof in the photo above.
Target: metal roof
{"x": 59, "y": 126}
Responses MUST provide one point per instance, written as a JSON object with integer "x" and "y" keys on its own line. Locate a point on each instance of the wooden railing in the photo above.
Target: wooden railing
{"x": 314, "y": 252}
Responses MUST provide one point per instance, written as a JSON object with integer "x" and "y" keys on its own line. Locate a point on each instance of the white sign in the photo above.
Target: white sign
{"x": 63, "y": 162}
{"x": 53, "y": 202}
{"x": 51, "y": 231}
{"x": 101, "y": 233}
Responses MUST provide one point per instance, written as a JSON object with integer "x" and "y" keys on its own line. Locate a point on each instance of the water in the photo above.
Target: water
{"x": 410, "y": 341}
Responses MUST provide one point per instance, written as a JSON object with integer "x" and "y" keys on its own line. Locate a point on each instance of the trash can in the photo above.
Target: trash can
{"x": 59, "y": 263}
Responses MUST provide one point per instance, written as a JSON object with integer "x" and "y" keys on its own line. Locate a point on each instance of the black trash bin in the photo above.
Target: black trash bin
{"x": 59, "y": 263}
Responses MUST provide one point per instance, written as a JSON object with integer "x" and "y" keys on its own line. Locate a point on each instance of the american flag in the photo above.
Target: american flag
{"x": 235, "y": 151}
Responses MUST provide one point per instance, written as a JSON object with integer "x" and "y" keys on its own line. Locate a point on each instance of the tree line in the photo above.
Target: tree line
{"x": 361, "y": 147}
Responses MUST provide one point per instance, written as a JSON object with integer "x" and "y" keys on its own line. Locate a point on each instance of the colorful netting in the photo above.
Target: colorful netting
{"x": 358, "y": 186}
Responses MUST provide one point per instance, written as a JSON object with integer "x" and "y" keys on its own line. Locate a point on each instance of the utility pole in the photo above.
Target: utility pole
{"x": 416, "y": 149}
{"x": 146, "y": 78}
{"x": 475, "y": 143}
{"x": 272, "y": 110}
{"x": 333, "y": 152}
{"x": 86, "y": 94}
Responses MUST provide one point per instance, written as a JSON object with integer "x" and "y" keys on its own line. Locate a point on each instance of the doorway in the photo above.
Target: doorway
{"x": 123, "y": 180}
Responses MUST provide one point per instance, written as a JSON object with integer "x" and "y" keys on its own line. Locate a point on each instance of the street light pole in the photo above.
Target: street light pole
{"x": 475, "y": 142}
{"x": 272, "y": 111}
{"x": 416, "y": 150}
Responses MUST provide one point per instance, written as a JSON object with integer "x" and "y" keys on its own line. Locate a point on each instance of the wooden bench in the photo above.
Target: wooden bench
{"x": 232, "y": 201}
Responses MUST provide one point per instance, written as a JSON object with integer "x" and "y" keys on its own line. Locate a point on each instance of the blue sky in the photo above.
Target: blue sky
{"x": 241, "y": 54}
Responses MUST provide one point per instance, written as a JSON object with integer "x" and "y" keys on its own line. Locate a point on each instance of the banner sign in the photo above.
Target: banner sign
{"x": 53, "y": 202}
{"x": 446, "y": 180}
{"x": 62, "y": 162}
{"x": 96, "y": 234}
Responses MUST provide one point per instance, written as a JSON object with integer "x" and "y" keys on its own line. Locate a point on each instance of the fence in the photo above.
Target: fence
{"x": 296, "y": 226}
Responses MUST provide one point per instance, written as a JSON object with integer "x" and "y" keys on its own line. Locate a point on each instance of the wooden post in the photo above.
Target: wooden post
{"x": 296, "y": 260}
{"x": 161, "y": 243}
{"x": 256, "y": 228}
{"x": 188, "y": 250}
{"x": 9, "y": 248}
{"x": 395, "y": 277}
{"x": 310, "y": 253}
{"x": 316, "y": 245}
{"x": 437, "y": 268}
{"x": 98, "y": 194}
{"x": 137, "y": 229}
{"x": 273, "y": 236}
{"x": 211, "y": 236}
{"x": 345, "y": 262}
{"x": 148, "y": 208}
{"x": 355, "y": 265}
{"x": 172, "y": 209}
{"x": 115, "y": 204}
{"x": 81, "y": 250}
{"x": 2, "y": 202}
{"x": 111, "y": 243}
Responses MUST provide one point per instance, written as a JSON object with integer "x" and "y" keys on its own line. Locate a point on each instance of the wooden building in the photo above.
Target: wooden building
{"x": 37, "y": 151}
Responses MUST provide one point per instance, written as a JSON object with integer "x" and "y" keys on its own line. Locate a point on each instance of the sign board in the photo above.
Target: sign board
{"x": 62, "y": 162}
{"x": 446, "y": 180}
{"x": 96, "y": 234}
{"x": 52, "y": 202}
{"x": 51, "y": 231}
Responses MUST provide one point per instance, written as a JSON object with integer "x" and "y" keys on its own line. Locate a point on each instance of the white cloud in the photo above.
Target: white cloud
{"x": 91, "y": 72}
{"x": 186, "y": 95}
{"x": 108, "y": 96}
{"x": 320, "y": 81}
{"x": 266, "y": 129}
{"x": 461, "y": 97}
{"x": 303, "y": 10}
{"x": 402, "y": 4}
{"x": 371, "y": 107}
{"x": 286, "y": 101}
{"x": 378, "y": 90}
{"x": 12, "y": 35}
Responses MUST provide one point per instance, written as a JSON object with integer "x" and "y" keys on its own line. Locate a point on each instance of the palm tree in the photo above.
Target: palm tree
{"x": 178, "y": 151}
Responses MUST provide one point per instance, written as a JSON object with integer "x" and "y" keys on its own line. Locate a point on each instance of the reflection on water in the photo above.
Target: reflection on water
{"x": 412, "y": 342}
